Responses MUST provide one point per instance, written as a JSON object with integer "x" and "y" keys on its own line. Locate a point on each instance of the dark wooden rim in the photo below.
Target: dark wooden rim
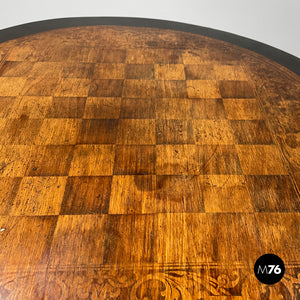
{"x": 285, "y": 59}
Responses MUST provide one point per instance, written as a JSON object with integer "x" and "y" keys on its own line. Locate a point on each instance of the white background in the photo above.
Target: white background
{"x": 274, "y": 22}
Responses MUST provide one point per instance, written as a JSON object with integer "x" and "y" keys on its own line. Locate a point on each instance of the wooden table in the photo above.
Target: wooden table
{"x": 140, "y": 162}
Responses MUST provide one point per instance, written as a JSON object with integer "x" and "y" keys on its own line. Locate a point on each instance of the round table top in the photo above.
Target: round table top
{"x": 142, "y": 162}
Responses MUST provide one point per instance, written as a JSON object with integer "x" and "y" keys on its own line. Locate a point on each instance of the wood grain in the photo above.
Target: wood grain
{"x": 141, "y": 163}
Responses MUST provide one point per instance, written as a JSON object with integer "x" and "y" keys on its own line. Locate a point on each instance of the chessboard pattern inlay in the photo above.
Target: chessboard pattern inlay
{"x": 138, "y": 162}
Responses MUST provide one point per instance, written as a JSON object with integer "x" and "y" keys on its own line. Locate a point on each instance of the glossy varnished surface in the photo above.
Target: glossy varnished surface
{"x": 142, "y": 162}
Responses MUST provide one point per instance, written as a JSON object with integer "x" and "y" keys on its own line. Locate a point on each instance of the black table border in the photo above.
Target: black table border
{"x": 283, "y": 58}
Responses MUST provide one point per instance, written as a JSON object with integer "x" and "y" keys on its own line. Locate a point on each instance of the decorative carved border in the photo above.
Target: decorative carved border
{"x": 156, "y": 282}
